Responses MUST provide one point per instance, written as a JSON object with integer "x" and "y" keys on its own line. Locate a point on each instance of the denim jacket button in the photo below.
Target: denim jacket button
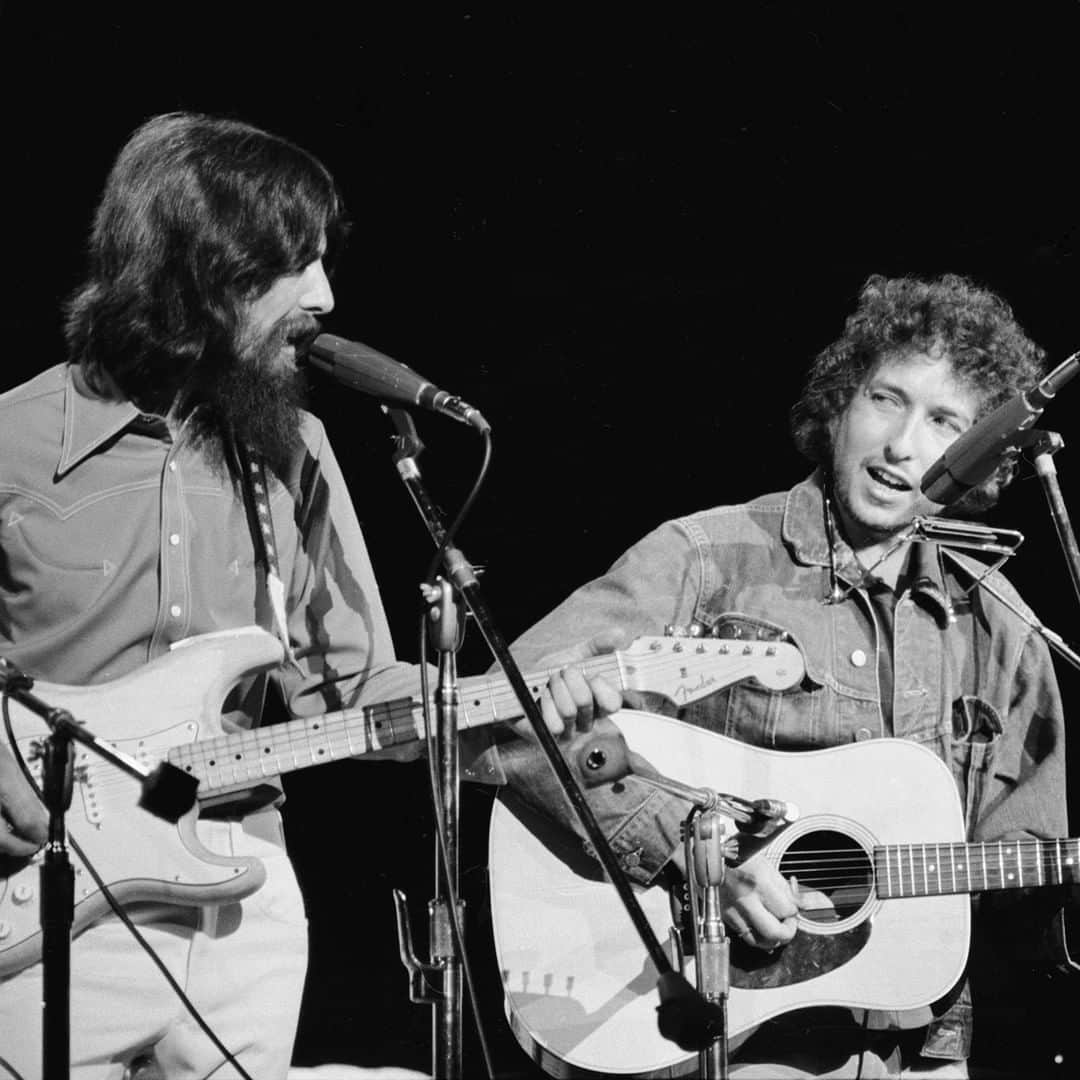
{"x": 858, "y": 658}
{"x": 863, "y": 734}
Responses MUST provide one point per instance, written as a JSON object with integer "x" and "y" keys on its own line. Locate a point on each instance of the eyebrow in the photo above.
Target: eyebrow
{"x": 940, "y": 410}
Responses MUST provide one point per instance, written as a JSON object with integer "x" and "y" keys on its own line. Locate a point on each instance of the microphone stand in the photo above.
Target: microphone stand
{"x": 1044, "y": 446}
{"x": 682, "y": 1015}
{"x": 438, "y": 981}
{"x": 167, "y": 792}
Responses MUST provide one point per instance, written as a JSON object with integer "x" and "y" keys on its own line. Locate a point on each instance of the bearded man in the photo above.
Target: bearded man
{"x": 165, "y": 483}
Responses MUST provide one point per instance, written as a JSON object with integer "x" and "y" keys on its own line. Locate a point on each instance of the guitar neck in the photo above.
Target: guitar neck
{"x": 248, "y": 757}
{"x": 936, "y": 869}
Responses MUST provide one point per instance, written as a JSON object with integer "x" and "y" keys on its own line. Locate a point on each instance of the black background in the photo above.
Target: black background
{"x": 623, "y": 236}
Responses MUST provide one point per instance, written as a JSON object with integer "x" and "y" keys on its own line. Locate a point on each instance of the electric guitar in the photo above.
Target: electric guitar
{"x": 170, "y": 710}
{"x": 880, "y": 831}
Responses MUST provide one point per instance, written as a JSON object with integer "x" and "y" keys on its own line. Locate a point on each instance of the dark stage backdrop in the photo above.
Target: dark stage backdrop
{"x": 623, "y": 237}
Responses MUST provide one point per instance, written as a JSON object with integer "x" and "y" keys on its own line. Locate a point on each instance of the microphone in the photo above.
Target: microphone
{"x": 364, "y": 368}
{"x": 977, "y": 453}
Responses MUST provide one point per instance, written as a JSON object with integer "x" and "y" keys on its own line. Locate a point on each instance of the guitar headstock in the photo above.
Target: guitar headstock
{"x": 687, "y": 668}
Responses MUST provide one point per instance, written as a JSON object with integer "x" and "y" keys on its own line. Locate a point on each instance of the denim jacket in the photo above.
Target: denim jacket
{"x": 971, "y": 681}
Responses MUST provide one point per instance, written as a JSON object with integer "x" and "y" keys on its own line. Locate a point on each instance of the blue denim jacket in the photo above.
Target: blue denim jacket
{"x": 971, "y": 681}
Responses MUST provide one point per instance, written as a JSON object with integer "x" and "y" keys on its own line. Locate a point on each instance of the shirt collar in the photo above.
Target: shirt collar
{"x": 803, "y": 530}
{"x": 89, "y": 420}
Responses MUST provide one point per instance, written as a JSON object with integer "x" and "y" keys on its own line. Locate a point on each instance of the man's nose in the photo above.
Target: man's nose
{"x": 901, "y": 441}
{"x": 317, "y": 297}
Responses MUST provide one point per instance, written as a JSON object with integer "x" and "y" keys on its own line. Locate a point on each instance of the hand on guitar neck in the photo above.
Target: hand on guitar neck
{"x": 573, "y": 701}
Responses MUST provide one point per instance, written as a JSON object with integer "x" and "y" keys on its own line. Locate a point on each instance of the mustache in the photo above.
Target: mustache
{"x": 299, "y": 331}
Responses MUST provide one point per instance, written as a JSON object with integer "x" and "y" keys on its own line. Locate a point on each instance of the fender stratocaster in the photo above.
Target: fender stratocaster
{"x": 170, "y": 710}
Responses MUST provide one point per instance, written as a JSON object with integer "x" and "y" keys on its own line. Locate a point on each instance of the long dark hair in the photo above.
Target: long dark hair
{"x": 971, "y": 325}
{"x": 199, "y": 215}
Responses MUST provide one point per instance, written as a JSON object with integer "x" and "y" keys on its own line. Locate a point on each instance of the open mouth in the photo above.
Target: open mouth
{"x": 887, "y": 479}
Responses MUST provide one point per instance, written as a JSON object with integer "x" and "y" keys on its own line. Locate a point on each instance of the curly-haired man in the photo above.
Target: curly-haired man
{"x": 896, "y": 641}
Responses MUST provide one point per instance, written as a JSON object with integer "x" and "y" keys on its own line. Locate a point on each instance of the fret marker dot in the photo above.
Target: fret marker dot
{"x": 932, "y": 868}
{"x": 1010, "y": 876}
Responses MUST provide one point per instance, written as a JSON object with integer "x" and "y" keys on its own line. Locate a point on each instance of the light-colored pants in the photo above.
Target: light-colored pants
{"x": 242, "y": 964}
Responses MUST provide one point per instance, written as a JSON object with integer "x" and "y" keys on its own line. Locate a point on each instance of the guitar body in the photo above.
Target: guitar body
{"x": 580, "y": 990}
{"x": 170, "y": 701}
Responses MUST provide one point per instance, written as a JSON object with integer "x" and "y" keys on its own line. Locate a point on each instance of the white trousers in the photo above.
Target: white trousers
{"x": 242, "y": 964}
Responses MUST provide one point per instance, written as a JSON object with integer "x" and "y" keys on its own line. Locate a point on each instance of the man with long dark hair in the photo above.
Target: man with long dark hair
{"x": 899, "y": 641}
{"x": 165, "y": 483}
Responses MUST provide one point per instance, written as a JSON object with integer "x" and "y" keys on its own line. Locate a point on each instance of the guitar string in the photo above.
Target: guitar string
{"x": 292, "y": 743}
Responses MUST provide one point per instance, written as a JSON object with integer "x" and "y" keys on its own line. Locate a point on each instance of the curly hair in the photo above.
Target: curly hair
{"x": 976, "y": 329}
{"x": 199, "y": 215}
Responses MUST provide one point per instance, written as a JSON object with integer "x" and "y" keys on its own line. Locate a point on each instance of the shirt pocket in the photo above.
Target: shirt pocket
{"x": 54, "y": 566}
{"x": 789, "y": 719}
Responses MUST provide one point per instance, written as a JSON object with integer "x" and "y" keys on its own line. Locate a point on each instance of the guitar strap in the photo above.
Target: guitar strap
{"x": 256, "y": 493}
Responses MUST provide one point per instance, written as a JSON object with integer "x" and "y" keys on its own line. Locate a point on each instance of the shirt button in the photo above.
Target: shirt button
{"x": 863, "y": 734}
{"x": 175, "y": 610}
{"x": 858, "y": 658}
{"x": 174, "y": 539}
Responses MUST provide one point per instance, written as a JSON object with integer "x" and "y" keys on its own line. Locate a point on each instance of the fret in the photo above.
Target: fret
{"x": 663, "y": 665}
{"x": 1007, "y": 864}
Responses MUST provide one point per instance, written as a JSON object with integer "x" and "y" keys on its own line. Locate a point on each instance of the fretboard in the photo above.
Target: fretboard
{"x": 247, "y": 757}
{"x": 934, "y": 869}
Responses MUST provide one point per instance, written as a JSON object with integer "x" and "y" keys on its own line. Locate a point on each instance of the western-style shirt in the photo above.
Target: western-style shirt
{"x": 118, "y": 540}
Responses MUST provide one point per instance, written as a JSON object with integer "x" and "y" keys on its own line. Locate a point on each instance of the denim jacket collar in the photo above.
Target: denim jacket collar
{"x": 803, "y": 530}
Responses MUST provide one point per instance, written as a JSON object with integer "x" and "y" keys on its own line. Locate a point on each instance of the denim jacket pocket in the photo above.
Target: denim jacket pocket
{"x": 751, "y": 713}
{"x": 977, "y": 730}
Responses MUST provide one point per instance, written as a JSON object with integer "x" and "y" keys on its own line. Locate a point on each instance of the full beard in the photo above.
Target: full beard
{"x": 252, "y": 398}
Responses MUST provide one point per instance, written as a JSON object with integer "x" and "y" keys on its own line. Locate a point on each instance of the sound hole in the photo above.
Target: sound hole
{"x": 834, "y": 874}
